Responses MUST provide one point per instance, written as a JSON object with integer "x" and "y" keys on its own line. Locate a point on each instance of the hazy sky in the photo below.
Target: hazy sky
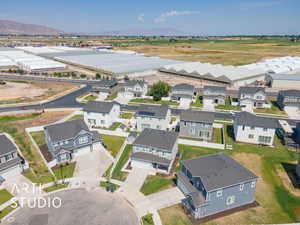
{"x": 203, "y": 17}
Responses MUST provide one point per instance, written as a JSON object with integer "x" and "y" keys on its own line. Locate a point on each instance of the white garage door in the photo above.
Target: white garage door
{"x": 141, "y": 164}
{"x": 125, "y": 94}
{"x": 97, "y": 146}
{"x": 11, "y": 172}
{"x": 83, "y": 150}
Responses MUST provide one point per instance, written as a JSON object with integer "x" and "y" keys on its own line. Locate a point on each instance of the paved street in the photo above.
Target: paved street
{"x": 79, "y": 207}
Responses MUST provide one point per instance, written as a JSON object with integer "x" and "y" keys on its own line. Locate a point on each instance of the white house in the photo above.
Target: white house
{"x": 155, "y": 117}
{"x": 253, "y": 129}
{"x": 134, "y": 88}
{"x": 252, "y": 98}
{"x": 101, "y": 114}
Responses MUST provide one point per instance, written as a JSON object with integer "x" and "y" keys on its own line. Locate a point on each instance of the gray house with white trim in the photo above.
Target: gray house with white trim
{"x": 215, "y": 95}
{"x": 180, "y": 91}
{"x": 135, "y": 88}
{"x": 196, "y": 124}
{"x": 289, "y": 98}
{"x": 11, "y": 163}
{"x": 215, "y": 183}
{"x": 67, "y": 139}
{"x": 155, "y": 149}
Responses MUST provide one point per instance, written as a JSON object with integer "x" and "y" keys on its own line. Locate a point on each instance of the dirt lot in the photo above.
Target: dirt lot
{"x": 17, "y": 92}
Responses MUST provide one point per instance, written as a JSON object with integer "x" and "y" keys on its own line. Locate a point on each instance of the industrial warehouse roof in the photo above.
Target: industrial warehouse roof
{"x": 209, "y": 71}
{"x": 157, "y": 139}
{"x": 218, "y": 171}
{"x": 295, "y": 77}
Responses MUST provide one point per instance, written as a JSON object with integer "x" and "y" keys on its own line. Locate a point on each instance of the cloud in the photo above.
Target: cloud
{"x": 259, "y": 4}
{"x": 141, "y": 18}
{"x": 163, "y": 17}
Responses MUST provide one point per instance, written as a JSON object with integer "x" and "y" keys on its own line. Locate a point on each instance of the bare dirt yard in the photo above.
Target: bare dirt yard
{"x": 21, "y": 92}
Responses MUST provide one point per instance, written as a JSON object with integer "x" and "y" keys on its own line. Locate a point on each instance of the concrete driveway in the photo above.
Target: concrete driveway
{"x": 90, "y": 167}
{"x": 79, "y": 207}
{"x": 292, "y": 112}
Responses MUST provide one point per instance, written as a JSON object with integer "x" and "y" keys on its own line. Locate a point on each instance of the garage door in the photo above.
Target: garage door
{"x": 141, "y": 164}
{"x": 125, "y": 95}
{"x": 11, "y": 172}
{"x": 97, "y": 146}
{"x": 83, "y": 150}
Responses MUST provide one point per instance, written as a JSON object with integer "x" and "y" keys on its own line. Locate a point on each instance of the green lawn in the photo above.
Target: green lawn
{"x": 113, "y": 143}
{"x": 157, "y": 183}
{"x": 273, "y": 110}
{"x": 117, "y": 173}
{"x": 39, "y": 137}
{"x": 112, "y": 96}
{"x": 228, "y": 105}
{"x": 56, "y": 187}
{"x": 198, "y": 102}
{"x": 148, "y": 219}
{"x": 107, "y": 171}
{"x": 151, "y": 101}
{"x": 5, "y": 196}
{"x": 65, "y": 172}
{"x": 89, "y": 98}
{"x": 76, "y": 117}
{"x": 126, "y": 115}
{"x": 114, "y": 126}
{"x": 108, "y": 184}
{"x": 217, "y": 136}
{"x": 8, "y": 210}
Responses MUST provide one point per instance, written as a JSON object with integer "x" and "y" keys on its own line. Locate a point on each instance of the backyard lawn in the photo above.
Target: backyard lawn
{"x": 151, "y": 101}
{"x": 117, "y": 173}
{"x": 273, "y": 110}
{"x": 5, "y": 196}
{"x": 113, "y": 143}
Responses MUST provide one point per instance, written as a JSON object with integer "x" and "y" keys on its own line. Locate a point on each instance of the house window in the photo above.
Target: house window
{"x": 244, "y": 127}
{"x": 192, "y": 130}
{"x": 251, "y": 136}
{"x": 265, "y": 129}
{"x": 241, "y": 187}
{"x": 219, "y": 193}
{"x": 102, "y": 121}
{"x": 184, "y": 123}
{"x": 230, "y": 200}
{"x": 264, "y": 139}
{"x": 8, "y": 157}
{"x": 253, "y": 184}
{"x": 83, "y": 140}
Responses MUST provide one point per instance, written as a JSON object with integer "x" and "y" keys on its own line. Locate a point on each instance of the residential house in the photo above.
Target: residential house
{"x": 151, "y": 116}
{"x": 183, "y": 91}
{"x": 214, "y": 95}
{"x": 298, "y": 168}
{"x": 67, "y": 139}
{"x": 289, "y": 99}
{"x": 155, "y": 149}
{"x": 214, "y": 184}
{"x": 101, "y": 114}
{"x": 105, "y": 87}
{"x": 134, "y": 88}
{"x": 11, "y": 162}
{"x": 253, "y": 129}
{"x": 253, "y": 97}
{"x": 196, "y": 124}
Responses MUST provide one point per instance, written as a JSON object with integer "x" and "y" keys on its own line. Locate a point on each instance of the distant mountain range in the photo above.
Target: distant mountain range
{"x": 145, "y": 32}
{"x": 16, "y": 28}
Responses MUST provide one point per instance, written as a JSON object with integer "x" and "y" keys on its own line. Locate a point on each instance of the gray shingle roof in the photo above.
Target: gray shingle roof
{"x": 218, "y": 171}
{"x": 217, "y": 89}
{"x": 290, "y": 93}
{"x": 249, "y": 119}
{"x": 251, "y": 90}
{"x": 106, "y": 83}
{"x": 157, "y": 139}
{"x": 148, "y": 157}
{"x": 183, "y": 86}
{"x": 6, "y": 146}
{"x": 131, "y": 83}
{"x": 99, "y": 107}
{"x": 152, "y": 111}
{"x": 66, "y": 130}
{"x": 197, "y": 116}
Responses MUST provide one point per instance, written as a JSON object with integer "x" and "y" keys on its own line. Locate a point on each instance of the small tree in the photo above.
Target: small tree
{"x": 82, "y": 76}
{"x": 98, "y": 76}
{"x": 159, "y": 90}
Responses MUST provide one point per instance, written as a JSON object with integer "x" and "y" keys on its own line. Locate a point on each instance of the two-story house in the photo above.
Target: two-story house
{"x": 214, "y": 184}
{"x": 105, "y": 87}
{"x": 196, "y": 124}
{"x": 289, "y": 99}
{"x": 252, "y": 97}
{"x": 67, "y": 139}
{"x": 134, "y": 88}
{"x": 183, "y": 91}
{"x": 11, "y": 163}
{"x": 214, "y": 95}
{"x": 253, "y": 129}
{"x": 151, "y": 116}
{"x": 155, "y": 149}
{"x": 101, "y": 114}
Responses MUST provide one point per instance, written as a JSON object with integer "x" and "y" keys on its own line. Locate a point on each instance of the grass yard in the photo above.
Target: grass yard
{"x": 5, "y": 196}
{"x": 273, "y": 110}
{"x": 38, "y": 178}
{"x": 113, "y": 143}
{"x": 157, "y": 183}
{"x": 66, "y": 171}
{"x": 8, "y": 210}
{"x": 198, "y": 102}
{"x": 112, "y": 96}
{"x": 106, "y": 184}
{"x": 39, "y": 137}
{"x": 76, "y": 117}
{"x": 114, "y": 126}
{"x": 228, "y": 105}
{"x": 151, "y": 101}
{"x": 126, "y": 115}
{"x": 89, "y": 98}
{"x": 107, "y": 172}
{"x": 148, "y": 219}
{"x": 56, "y": 187}
{"x": 117, "y": 173}
{"x": 217, "y": 136}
